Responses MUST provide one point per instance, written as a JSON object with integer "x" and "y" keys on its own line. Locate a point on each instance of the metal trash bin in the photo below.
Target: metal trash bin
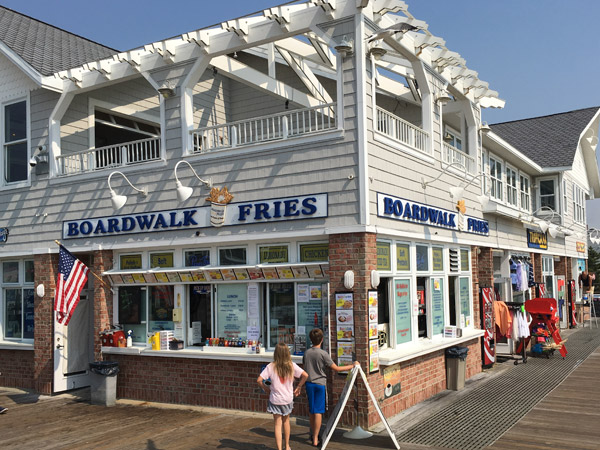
{"x": 103, "y": 382}
{"x": 456, "y": 367}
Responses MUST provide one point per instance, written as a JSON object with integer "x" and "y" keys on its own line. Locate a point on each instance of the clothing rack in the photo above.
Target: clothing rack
{"x": 520, "y": 347}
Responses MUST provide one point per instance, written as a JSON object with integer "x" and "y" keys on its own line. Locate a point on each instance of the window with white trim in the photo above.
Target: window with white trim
{"x": 453, "y": 138}
{"x": 511, "y": 186}
{"x": 565, "y": 198}
{"x": 496, "y": 187}
{"x": 17, "y": 320}
{"x": 547, "y": 194}
{"x": 14, "y": 143}
{"x": 525, "y": 189}
{"x": 578, "y": 204}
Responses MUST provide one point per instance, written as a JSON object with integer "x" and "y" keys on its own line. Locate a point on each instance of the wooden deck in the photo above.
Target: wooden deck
{"x": 568, "y": 418}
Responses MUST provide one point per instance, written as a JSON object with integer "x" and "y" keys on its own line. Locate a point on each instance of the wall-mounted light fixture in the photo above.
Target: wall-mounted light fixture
{"x": 545, "y": 223}
{"x": 443, "y": 99}
{"x": 167, "y": 90}
{"x": 377, "y": 51}
{"x": 345, "y": 47}
{"x": 375, "y": 279}
{"x": 119, "y": 200}
{"x": 184, "y": 192}
{"x": 349, "y": 279}
{"x": 485, "y": 128}
{"x": 594, "y": 235}
{"x": 40, "y": 156}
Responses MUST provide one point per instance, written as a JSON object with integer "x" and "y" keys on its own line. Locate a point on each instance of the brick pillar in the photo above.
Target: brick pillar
{"x": 475, "y": 264}
{"x": 356, "y": 252}
{"x": 569, "y": 264}
{"x": 46, "y": 267}
{"x": 102, "y": 260}
{"x": 485, "y": 266}
{"x": 560, "y": 267}
{"x": 536, "y": 258}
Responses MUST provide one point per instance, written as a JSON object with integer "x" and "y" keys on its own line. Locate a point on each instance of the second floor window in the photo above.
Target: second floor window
{"x": 15, "y": 142}
{"x": 578, "y": 204}
{"x": 525, "y": 193}
{"x": 511, "y": 186}
{"x": 496, "y": 179}
{"x": 547, "y": 194}
{"x": 565, "y": 198}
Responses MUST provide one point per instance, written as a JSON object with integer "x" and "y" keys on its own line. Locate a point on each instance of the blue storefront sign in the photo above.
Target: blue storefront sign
{"x": 3, "y": 235}
{"x": 260, "y": 211}
{"x": 405, "y": 210}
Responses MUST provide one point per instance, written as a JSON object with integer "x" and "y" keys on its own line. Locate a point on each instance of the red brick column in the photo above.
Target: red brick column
{"x": 475, "y": 263}
{"x": 46, "y": 268}
{"x": 485, "y": 266}
{"x": 356, "y": 252}
{"x": 102, "y": 260}
{"x": 536, "y": 258}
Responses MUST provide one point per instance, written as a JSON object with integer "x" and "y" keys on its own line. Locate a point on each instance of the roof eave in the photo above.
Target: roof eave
{"x": 42, "y": 81}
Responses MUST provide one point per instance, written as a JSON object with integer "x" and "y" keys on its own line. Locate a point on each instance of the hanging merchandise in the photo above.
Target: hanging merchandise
{"x": 487, "y": 316}
{"x": 530, "y": 273}
{"x": 513, "y": 274}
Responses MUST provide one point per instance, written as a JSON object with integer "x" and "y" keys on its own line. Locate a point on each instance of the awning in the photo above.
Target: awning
{"x": 210, "y": 274}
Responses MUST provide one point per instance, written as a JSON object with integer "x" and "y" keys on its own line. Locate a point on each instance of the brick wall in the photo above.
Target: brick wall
{"x": 16, "y": 369}
{"x": 215, "y": 383}
{"x": 356, "y": 252}
{"x": 536, "y": 258}
{"x": 45, "y": 273}
{"x": 102, "y": 260}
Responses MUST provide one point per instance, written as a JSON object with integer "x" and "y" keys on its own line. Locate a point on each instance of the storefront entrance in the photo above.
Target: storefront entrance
{"x": 73, "y": 346}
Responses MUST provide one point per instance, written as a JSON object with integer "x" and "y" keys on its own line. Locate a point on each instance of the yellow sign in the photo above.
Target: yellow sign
{"x": 314, "y": 252}
{"x": 128, "y": 262}
{"x": 581, "y": 247}
{"x": 274, "y": 254}
{"x": 402, "y": 257}
{"x": 383, "y": 256}
{"x": 438, "y": 259}
{"x": 161, "y": 260}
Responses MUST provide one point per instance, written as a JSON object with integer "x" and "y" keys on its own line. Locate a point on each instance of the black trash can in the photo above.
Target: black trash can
{"x": 103, "y": 382}
{"x": 456, "y": 367}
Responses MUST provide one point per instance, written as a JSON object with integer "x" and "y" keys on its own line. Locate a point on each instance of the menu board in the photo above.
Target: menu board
{"x": 149, "y": 278}
{"x": 285, "y": 272}
{"x": 231, "y": 311}
{"x": 241, "y": 274}
{"x": 344, "y": 314}
{"x": 138, "y": 277}
{"x": 199, "y": 276}
{"x": 402, "y": 309}
{"x": 228, "y": 274}
{"x": 464, "y": 287}
{"x": 300, "y": 271}
{"x": 373, "y": 355}
{"x": 161, "y": 277}
{"x": 437, "y": 305}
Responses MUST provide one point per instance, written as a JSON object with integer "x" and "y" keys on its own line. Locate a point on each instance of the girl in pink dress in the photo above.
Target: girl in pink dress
{"x": 281, "y": 373}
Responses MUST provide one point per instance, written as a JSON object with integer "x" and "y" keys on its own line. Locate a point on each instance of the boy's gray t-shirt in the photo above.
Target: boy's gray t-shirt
{"x": 316, "y": 361}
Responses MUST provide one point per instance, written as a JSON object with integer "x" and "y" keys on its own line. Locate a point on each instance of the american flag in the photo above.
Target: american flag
{"x": 72, "y": 275}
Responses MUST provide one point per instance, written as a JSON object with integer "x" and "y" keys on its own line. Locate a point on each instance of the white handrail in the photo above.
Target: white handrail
{"x": 403, "y": 131}
{"x": 293, "y": 123}
{"x": 451, "y": 155}
{"x": 111, "y": 156}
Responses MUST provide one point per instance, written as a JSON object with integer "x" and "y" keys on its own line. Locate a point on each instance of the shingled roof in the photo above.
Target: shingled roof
{"x": 46, "y": 48}
{"x": 550, "y": 141}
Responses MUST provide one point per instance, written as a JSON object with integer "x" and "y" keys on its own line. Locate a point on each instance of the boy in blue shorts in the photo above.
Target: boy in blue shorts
{"x": 315, "y": 362}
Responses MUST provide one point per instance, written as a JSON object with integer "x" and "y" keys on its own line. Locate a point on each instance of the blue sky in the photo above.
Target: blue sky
{"x": 541, "y": 56}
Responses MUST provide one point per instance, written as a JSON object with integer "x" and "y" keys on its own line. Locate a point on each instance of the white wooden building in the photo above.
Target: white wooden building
{"x": 366, "y": 200}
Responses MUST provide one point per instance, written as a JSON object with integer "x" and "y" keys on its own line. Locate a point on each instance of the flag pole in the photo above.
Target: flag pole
{"x": 93, "y": 273}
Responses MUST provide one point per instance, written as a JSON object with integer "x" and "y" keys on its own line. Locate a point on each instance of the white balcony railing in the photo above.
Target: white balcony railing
{"x": 400, "y": 130}
{"x": 118, "y": 155}
{"x": 293, "y": 123}
{"x": 451, "y": 155}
